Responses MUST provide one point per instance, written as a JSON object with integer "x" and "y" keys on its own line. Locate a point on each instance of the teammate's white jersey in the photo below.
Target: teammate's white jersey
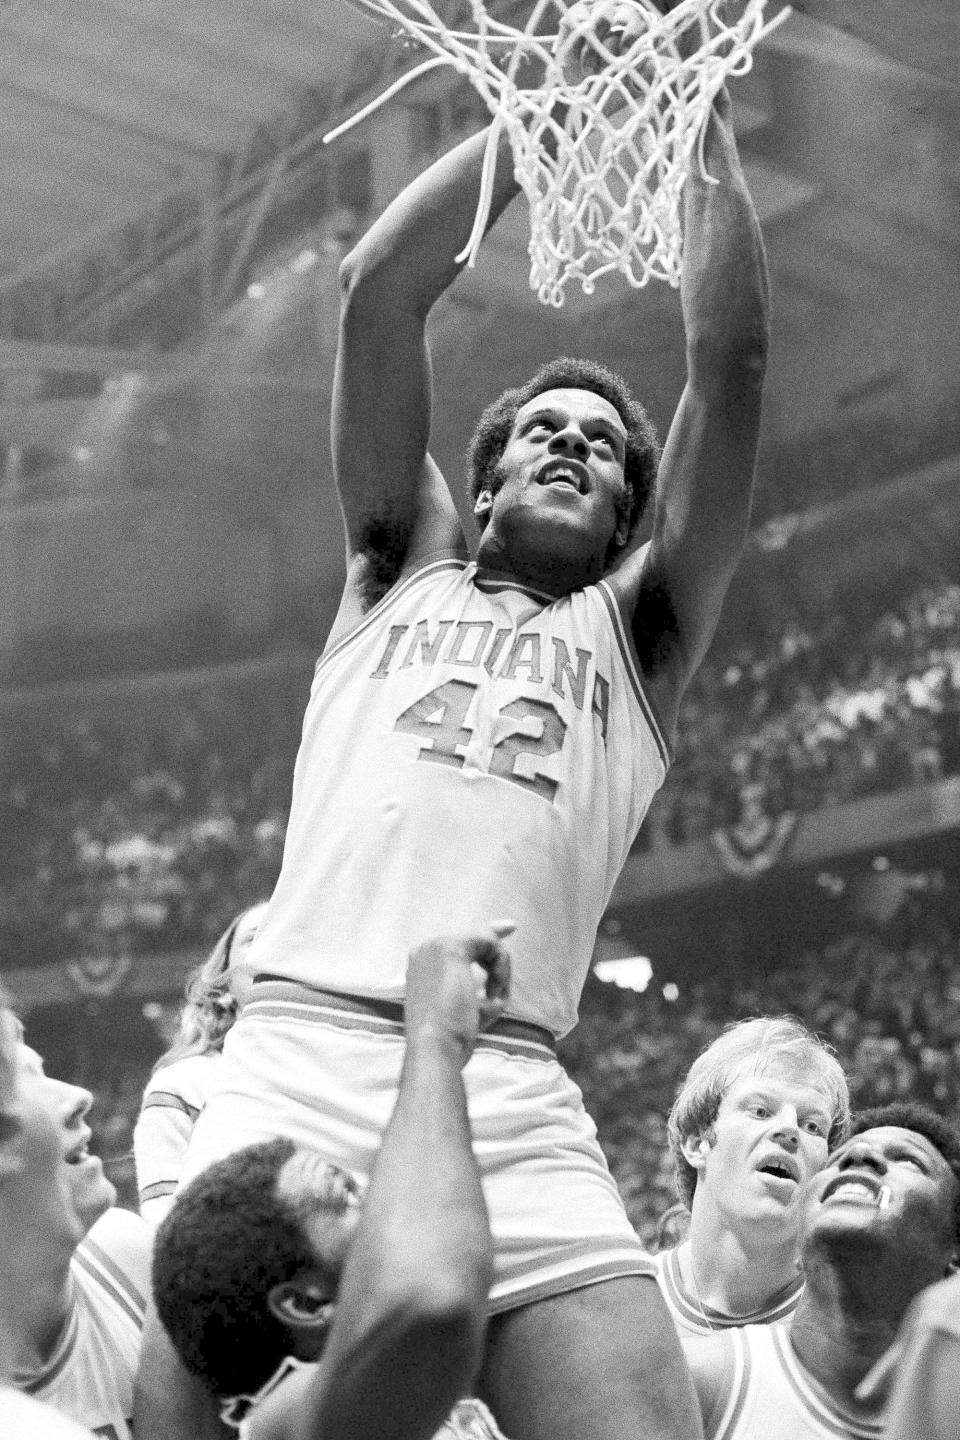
{"x": 90, "y": 1375}
{"x": 172, "y": 1100}
{"x": 471, "y": 751}
{"x": 768, "y": 1395}
{"x": 692, "y": 1318}
{"x": 24, "y": 1419}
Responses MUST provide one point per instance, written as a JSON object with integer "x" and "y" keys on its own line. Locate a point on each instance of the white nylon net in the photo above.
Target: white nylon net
{"x": 602, "y": 143}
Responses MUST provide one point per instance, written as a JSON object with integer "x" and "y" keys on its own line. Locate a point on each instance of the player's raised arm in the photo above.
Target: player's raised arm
{"x": 705, "y": 482}
{"x": 394, "y": 501}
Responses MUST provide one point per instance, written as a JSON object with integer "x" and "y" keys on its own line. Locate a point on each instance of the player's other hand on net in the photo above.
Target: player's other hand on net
{"x": 593, "y": 31}
{"x": 460, "y": 983}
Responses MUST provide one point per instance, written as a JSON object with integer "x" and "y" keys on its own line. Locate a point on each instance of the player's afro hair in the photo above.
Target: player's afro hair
{"x": 568, "y": 373}
{"x": 227, "y": 1241}
{"x": 910, "y": 1115}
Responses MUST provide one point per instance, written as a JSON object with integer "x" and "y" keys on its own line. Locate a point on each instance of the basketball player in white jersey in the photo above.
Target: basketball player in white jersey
{"x": 752, "y": 1122}
{"x": 309, "y": 1310}
{"x": 880, "y": 1223}
{"x": 483, "y": 739}
{"x": 73, "y": 1271}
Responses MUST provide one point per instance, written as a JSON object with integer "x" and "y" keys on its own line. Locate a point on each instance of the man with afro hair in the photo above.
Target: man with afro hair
{"x": 483, "y": 738}
{"x": 880, "y": 1223}
{"x": 297, "y": 1306}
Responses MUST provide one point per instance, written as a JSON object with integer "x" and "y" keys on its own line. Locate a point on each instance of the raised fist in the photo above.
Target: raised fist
{"x": 458, "y": 982}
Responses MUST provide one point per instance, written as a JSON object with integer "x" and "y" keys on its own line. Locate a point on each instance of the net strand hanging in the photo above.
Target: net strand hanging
{"x": 601, "y": 157}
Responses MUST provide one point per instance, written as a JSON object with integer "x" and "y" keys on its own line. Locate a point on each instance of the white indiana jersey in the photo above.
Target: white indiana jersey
{"x": 472, "y": 751}
{"x": 172, "y": 1101}
{"x": 692, "y": 1318}
{"x": 90, "y": 1375}
{"x": 767, "y": 1394}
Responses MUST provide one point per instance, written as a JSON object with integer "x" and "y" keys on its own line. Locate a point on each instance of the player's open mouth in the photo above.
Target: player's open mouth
{"x": 562, "y": 472}
{"x": 80, "y": 1152}
{"x": 780, "y": 1167}
{"x": 859, "y": 1189}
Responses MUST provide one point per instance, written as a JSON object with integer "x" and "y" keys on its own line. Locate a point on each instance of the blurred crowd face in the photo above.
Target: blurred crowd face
{"x": 887, "y": 1194}
{"x": 768, "y": 1139}
{"x": 52, "y": 1189}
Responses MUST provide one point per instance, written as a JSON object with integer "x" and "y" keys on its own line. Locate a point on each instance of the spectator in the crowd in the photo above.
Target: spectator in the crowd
{"x": 925, "y": 1403}
{"x": 181, "y": 1079}
{"x": 307, "y": 1310}
{"x": 752, "y": 1122}
{"x": 880, "y": 1223}
{"x": 73, "y": 1270}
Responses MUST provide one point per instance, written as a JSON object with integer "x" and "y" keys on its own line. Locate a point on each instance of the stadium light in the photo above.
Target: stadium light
{"x": 629, "y": 972}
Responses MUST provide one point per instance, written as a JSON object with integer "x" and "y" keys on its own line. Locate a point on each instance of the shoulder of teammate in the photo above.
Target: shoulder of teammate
{"x": 188, "y": 1079}
{"x": 122, "y": 1243}
{"x": 712, "y": 1363}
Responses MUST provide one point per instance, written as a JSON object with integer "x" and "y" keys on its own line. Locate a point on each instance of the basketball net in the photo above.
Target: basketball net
{"x": 601, "y": 156}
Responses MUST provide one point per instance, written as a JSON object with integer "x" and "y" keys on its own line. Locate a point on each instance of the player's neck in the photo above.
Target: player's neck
{"x": 737, "y": 1273}
{"x": 35, "y": 1302}
{"x": 843, "y": 1324}
{"x": 533, "y": 570}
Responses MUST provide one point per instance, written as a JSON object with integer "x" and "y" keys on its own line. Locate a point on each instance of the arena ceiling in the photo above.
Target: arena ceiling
{"x": 114, "y": 110}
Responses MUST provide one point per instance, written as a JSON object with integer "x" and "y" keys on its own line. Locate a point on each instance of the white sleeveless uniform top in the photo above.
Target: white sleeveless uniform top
{"x": 90, "y": 1375}
{"x": 471, "y": 751}
{"x": 172, "y": 1101}
{"x": 692, "y": 1318}
{"x": 769, "y": 1394}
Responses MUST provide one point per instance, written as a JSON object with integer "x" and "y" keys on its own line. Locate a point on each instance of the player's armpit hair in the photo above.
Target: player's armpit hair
{"x": 380, "y": 557}
{"x": 657, "y": 636}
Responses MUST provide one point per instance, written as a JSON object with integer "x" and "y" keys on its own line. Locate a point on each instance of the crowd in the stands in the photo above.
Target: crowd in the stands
{"x": 814, "y": 719}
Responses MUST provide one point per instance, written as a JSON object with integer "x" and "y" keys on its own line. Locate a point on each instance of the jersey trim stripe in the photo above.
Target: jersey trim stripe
{"x": 108, "y": 1274}
{"x": 157, "y": 1190}
{"x": 707, "y": 1320}
{"x": 384, "y": 606}
{"x": 492, "y": 586}
{"x": 830, "y": 1415}
{"x": 168, "y": 1100}
{"x": 628, "y": 656}
{"x": 603, "y": 1258}
{"x": 739, "y": 1389}
{"x": 286, "y": 1000}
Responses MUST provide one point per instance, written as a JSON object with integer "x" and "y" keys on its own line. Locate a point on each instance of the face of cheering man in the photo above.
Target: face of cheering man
{"x": 52, "y": 1189}
{"x": 768, "y": 1139}
{"x": 888, "y": 1197}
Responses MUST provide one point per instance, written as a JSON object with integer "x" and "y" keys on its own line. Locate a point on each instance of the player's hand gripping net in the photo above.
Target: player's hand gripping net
{"x": 605, "y": 106}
